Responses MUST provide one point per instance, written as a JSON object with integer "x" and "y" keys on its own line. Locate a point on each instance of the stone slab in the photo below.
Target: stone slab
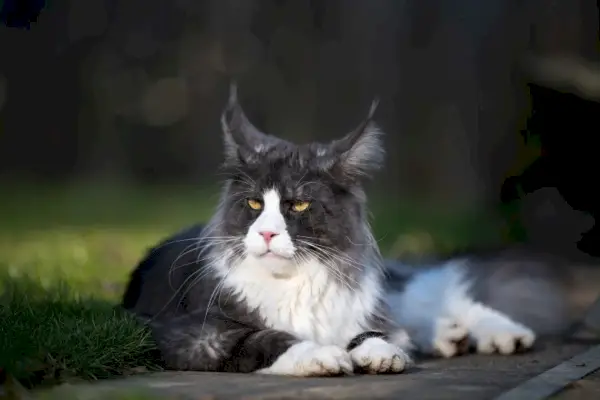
{"x": 583, "y": 389}
{"x": 556, "y": 379}
{"x": 471, "y": 377}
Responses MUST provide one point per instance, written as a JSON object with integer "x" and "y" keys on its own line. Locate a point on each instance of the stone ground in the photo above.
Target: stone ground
{"x": 587, "y": 388}
{"x": 531, "y": 376}
{"x": 471, "y": 377}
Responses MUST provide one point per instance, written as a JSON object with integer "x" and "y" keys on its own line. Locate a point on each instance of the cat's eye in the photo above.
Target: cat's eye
{"x": 254, "y": 204}
{"x": 300, "y": 206}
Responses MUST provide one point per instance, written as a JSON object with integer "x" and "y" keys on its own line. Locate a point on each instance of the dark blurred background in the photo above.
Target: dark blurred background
{"x": 109, "y": 113}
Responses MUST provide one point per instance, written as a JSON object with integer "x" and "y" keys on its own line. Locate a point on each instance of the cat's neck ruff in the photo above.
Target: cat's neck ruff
{"x": 314, "y": 304}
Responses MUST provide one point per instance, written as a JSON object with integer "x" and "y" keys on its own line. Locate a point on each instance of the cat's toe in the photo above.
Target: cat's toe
{"x": 376, "y": 356}
{"x": 505, "y": 338}
{"x": 311, "y": 359}
{"x": 329, "y": 360}
{"x": 451, "y": 338}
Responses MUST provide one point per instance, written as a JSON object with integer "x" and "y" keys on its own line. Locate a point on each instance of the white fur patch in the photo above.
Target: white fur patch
{"x": 447, "y": 335}
{"x": 209, "y": 342}
{"x": 401, "y": 338}
{"x": 377, "y": 356}
{"x": 312, "y": 304}
{"x": 310, "y": 359}
{"x": 438, "y": 312}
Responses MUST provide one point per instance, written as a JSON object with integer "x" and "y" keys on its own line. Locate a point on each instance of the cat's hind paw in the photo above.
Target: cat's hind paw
{"x": 502, "y": 335}
{"x": 451, "y": 338}
{"x": 376, "y": 356}
{"x": 310, "y": 359}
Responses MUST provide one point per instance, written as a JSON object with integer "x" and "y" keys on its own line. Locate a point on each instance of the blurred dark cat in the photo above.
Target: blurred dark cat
{"x": 287, "y": 279}
{"x": 565, "y": 126}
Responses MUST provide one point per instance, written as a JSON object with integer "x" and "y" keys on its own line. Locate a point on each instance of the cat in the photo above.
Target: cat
{"x": 287, "y": 278}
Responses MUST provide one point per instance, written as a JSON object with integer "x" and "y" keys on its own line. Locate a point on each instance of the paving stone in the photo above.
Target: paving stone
{"x": 471, "y": 377}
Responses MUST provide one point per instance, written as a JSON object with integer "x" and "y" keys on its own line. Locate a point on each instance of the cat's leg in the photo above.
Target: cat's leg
{"x": 226, "y": 346}
{"x": 443, "y": 319}
{"x": 377, "y": 353}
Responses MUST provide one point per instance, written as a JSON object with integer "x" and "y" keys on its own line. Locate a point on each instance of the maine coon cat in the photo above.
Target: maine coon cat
{"x": 287, "y": 279}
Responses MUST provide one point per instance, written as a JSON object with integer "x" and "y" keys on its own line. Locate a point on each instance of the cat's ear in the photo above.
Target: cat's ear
{"x": 244, "y": 143}
{"x": 360, "y": 152}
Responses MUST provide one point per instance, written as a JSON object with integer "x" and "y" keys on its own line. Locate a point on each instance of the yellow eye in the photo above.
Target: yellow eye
{"x": 254, "y": 204}
{"x": 300, "y": 206}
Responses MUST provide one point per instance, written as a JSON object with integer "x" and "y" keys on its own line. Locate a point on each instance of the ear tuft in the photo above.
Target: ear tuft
{"x": 227, "y": 122}
{"x": 361, "y": 152}
{"x": 366, "y": 154}
{"x": 243, "y": 141}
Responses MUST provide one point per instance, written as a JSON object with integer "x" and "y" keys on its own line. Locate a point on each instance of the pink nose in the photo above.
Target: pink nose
{"x": 268, "y": 236}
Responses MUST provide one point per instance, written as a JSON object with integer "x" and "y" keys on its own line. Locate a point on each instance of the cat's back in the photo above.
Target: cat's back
{"x": 161, "y": 281}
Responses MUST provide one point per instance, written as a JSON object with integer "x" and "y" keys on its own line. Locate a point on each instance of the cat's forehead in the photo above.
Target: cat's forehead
{"x": 289, "y": 174}
{"x": 289, "y": 181}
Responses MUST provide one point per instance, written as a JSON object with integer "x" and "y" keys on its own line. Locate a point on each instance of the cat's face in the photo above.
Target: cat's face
{"x": 292, "y": 203}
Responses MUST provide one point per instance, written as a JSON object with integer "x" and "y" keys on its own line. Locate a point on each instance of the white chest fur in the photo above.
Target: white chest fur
{"x": 311, "y": 304}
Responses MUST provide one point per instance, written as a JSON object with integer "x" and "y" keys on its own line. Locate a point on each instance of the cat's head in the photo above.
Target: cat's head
{"x": 293, "y": 203}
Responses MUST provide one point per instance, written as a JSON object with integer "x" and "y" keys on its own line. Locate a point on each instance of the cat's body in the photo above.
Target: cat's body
{"x": 175, "y": 293}
{"x": 287, "y": 278}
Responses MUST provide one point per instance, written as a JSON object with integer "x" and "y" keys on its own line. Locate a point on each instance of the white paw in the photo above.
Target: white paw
{"x": 450, "y": 338}
{"x": 310, "y": 359}
{"x": 376, "y": 356}
{"x": 502, "y": 335}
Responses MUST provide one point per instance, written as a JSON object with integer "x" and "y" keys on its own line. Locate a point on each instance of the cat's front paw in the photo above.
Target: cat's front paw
{"x": 501, "y": 335}
{"x": 376, "y": 356}
{"x": 451, "y": 338}
{"x": 310, "y": 359}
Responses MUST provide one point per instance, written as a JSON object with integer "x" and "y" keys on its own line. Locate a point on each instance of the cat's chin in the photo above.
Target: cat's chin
{"x": 278, "y": 266}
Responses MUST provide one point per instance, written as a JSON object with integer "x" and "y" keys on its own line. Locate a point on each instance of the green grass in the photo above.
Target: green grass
{"x": 53, "y": 334}
{"x": 66, "y": 253}
{"x": 65, "y": 256}
{"x": 115, "y": 394}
